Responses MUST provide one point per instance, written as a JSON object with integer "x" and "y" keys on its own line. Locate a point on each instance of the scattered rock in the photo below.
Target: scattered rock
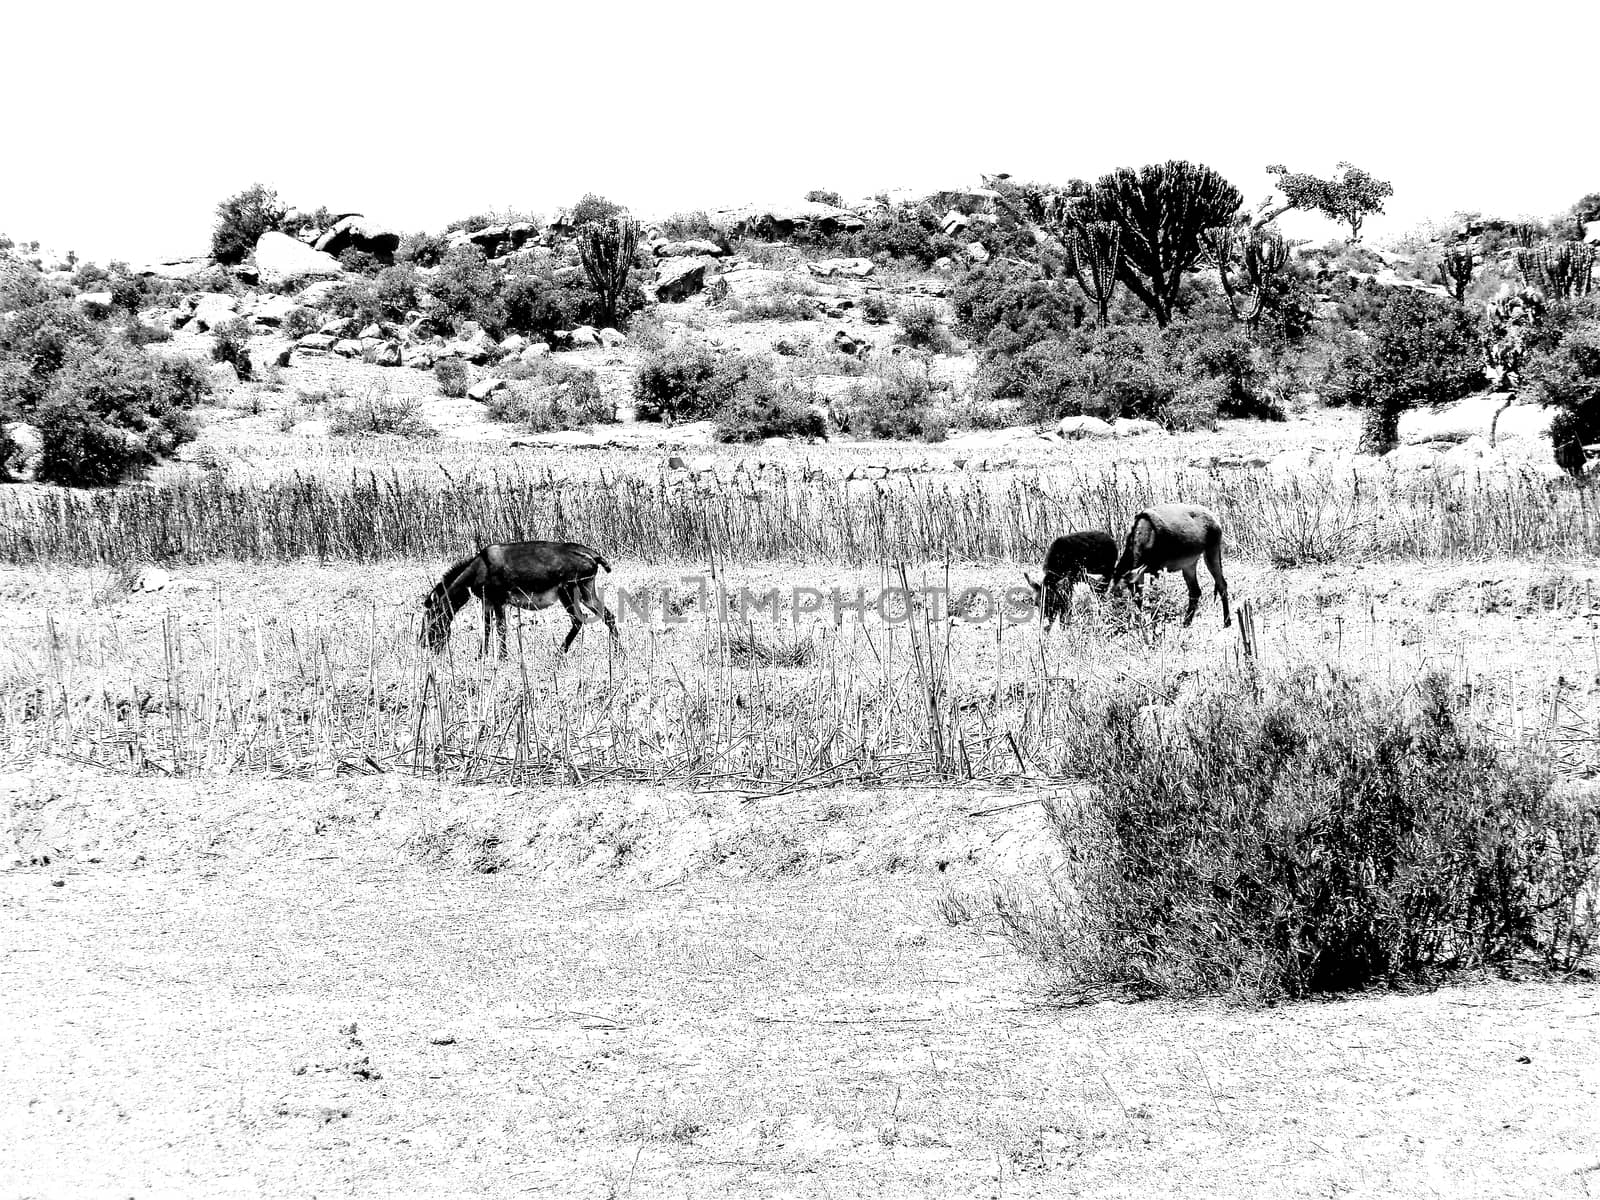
{"x": 150, "y": 579}
{"x": 1133, "y": 427}
{"x": 485, "y": 388}
{"x": 612, "y": 338}
{"x": 317, "y": 341}
{"x": 977, "y": 252}
{"x": 1084, "y": 427}
{"x": 384, "y": 354}
{"x": 534, "y": 352}
{"x": 584, "y": 335}
{"x": 272, "y": 310}
{"x": 348, "y": 347}
{"x": 212, "y": 309}
{"x": 954, "y": 222}
{"x": 515, "y": 344}
{"x": 827, "y": 267}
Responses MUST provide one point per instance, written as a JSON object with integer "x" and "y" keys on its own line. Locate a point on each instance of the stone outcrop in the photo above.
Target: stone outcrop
{"x": 281, "y": 259}
{"x": 356, "y": 232}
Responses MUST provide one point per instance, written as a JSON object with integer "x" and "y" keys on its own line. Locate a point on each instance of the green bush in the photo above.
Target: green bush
{"x": 874, "y": 308}
{"x": 690, "y": 382}
{"x": 231, "y": 344}
{"x": 908, "y": 234}
{"x": 766, "y": 408}
{"x": 900, "y": 404}
{"x": 301, "y": 321}
{"x": 1317, "y": 834}
{"x": 111, "y": 409}
{"x": 1007, "y": 308}
{"x": 241, "y": 220}
{"x": 536, "y": 304}
{"x": 466, "y": 287}
{"x": 422, "y": 249}
{"x": 922, "y": 328}
{"x": 82, "y": 449}
{"x": 689, "y": 227}
{"x": 824, "y": 196}
{"x": 558, "y": 396}
{"x": 453, "y": 377}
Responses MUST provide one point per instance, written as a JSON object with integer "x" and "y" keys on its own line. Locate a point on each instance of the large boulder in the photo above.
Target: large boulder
{"x": 693, "y": 247}
{"x": 357, "y": 232}
{"x": 498, "y": 240}
{"x": 272, "y": 310}
{"x": 212, "y": 310}
{"x": 679, "y": 278}
{"x": 281, "y": 259}
{"x": 859, "y": 267}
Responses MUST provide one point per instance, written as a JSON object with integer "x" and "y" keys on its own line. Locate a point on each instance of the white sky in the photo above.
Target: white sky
{"x": 126, "y": 123}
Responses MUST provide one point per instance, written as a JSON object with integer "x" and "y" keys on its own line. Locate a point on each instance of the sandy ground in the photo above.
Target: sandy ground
{"x": 178, "y": 992}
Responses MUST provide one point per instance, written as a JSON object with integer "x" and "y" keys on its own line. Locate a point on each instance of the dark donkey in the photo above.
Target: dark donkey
{"x": 1175, "y": 537}
{"x": 1069, "y": 559}
{"x": 531, "y": 575}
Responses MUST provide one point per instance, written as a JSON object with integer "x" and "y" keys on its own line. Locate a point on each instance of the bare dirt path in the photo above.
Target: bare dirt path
{"x": 184, "y": 1031}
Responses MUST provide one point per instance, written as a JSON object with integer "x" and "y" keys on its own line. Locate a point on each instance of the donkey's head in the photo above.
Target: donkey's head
{"x": 437, "y": 613}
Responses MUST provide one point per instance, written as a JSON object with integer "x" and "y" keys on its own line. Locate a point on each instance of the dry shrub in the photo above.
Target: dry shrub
{"x": 376, "y": 411}
{"x": 1319, "y": 835}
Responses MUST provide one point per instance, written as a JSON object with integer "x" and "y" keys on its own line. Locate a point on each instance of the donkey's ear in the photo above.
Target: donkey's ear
{"x": 1029, "y": 578}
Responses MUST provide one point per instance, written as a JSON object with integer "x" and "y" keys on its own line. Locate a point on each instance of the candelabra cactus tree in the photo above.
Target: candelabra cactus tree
{"x": 1162, "y": 212}
{"x": 1455, "y": 271}
{"x": 606, "y": 249}
{"x": 1248, "y": 261}
{"x": 1095, "y": 258}
{"x": 1564, "y": 270}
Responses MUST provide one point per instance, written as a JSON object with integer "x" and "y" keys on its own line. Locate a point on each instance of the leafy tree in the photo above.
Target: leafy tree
{"x": 1567, "y": 375}
{"x": 591, "y": 209}
{"x": 824, "y": 196}
{"x": 1424, "y": 349}
{"x": 1350, "y": 197}
{"x": 1163, "y": 212}
{"x": 241, "y": 220}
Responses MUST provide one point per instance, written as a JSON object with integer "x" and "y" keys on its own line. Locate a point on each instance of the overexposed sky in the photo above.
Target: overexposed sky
{"x": 125, "y": 123}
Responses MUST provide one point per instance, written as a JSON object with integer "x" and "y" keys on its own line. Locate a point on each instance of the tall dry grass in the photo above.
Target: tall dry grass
{"x": 1316, "y": 518}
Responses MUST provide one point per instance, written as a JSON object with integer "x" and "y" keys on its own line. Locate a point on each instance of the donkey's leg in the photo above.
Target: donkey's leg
{"x": 488, "y": 625}
{"x": 592, "y": 600}
{"x": 1214, "y": 565}
{"x": 569, "y": 601}
{"x": 1191, "y": 577}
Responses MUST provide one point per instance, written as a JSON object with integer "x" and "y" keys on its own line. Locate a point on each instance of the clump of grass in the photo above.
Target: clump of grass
{"x": 1317, "y": 835}
{"x": 747, "y": 648}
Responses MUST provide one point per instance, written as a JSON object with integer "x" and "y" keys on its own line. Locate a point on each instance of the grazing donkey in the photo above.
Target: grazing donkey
{"x": 531, "y": 575}
{"x": 1174, "y": 537}
{"x": 1069, "y": 559}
